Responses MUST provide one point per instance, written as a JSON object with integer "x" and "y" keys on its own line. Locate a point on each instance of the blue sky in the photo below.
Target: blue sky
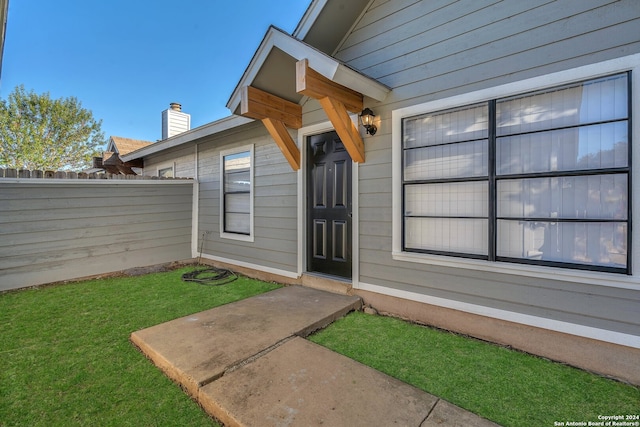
{"x": 126, "y": 60}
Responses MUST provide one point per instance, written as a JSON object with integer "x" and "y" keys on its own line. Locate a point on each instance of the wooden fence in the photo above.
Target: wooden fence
{"x": 39, "y": 174}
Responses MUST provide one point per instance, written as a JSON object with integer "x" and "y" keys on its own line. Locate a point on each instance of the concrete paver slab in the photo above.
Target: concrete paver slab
{"x": 447, "y": 415}
{"x": 195, "y": 350}
{"x": 303, "y": 384}
{"x": 246, "y": 364}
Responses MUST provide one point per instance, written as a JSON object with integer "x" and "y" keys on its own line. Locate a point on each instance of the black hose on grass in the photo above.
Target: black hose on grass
{"x": 210, "y": 276}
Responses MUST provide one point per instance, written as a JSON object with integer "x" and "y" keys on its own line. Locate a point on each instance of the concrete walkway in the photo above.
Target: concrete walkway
{"x": 247, "y": 363}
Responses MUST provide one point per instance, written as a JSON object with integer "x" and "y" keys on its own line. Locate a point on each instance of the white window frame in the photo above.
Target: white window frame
{"x": 623, "y": 64}
{"x": 226, "y": 234}
{"x": 171, "y": 166}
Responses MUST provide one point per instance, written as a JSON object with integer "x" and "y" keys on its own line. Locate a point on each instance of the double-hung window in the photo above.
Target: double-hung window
{"x": 237, "y": 193}
{"x": 539, "y": 178}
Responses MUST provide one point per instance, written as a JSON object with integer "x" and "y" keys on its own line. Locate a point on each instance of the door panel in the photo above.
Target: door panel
{"x": 319, "y": 239}
{"x": 339, "y": 241}
{"x": 340, "y": 184}
{"x": 329, "y": 206}
{"x": 319, "y": 185}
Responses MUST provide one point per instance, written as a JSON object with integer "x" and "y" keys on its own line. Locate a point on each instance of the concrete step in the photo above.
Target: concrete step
{"x": 195, "y": 350}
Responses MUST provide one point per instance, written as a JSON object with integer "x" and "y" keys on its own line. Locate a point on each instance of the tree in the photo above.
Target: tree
{"x": 40, "y": 133}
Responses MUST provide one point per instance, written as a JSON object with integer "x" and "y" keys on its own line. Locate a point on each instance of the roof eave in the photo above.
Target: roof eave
{"x": 324, "y": 64}
{"x": 309, "y": 18}
{"x": 212, "y": 128}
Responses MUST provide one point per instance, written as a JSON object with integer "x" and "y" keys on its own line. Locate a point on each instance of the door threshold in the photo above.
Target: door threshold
{"x": 326, "y": 282}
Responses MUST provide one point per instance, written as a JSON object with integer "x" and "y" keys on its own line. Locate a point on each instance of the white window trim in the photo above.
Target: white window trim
{"x": 627, "y": 63}
{"x": 161, "y": 166}
{"x": 225, "y": 234}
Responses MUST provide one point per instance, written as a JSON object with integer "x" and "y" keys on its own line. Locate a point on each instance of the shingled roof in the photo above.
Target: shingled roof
{"x": 124, "y": 146}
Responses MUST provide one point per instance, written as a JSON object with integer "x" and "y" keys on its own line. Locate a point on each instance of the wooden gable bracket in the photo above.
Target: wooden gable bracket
{"x": 335, "y": 100}
{"x": 276, "y": 114}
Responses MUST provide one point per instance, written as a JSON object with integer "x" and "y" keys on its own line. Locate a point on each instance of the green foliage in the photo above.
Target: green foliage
{"x": 40, "y": 133}
{"x": 66, "y": 358}
{"x": 503, "y": 385}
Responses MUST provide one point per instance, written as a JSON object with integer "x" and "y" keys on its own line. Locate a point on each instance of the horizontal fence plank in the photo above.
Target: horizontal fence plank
{"x": 55, "y": 230}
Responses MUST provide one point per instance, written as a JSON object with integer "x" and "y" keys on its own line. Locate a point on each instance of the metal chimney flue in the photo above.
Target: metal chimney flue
{"x": 175, "y": 106}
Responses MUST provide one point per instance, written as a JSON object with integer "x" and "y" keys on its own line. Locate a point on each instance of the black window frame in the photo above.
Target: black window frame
{"x": 493, "y": 178}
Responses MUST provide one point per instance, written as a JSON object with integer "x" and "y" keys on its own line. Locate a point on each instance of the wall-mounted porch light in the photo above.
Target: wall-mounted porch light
{"x": 366, "y": 119}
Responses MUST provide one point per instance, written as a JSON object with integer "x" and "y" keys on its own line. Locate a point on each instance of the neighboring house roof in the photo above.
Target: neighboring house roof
{"x": 122, "y": 146}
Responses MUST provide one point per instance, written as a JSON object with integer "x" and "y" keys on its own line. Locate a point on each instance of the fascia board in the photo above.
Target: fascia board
{"x": 292, "y": 47}
{"x": 324, "y": 64}
{"x": 320, "y": 62}
{"x": 212, "y": 128}
{"x": 309, "y": 18}
{"x": 365, "y": 85}
{"x": 252, "y": 70}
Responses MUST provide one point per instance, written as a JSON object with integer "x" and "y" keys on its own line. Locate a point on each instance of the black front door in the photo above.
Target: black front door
{"x": 328, "y": 205}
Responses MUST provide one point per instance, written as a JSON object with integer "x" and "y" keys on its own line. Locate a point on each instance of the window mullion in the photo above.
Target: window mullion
{"x": 629, "y": 173}
{"x": 492, "y": 225}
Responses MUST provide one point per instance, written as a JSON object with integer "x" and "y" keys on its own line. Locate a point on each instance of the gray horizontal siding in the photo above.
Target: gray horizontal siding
{"x": 433, "y": 49}
{"x": 275, "y": 242}
{"x": 428, "y": 50}
{"x": 64, "y": 230}
{"x": 182, "y": 158}
{"x": 616, "y": 311}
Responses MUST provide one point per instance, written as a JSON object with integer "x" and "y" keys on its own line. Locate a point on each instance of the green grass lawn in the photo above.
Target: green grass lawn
{"x": 506, "y": 386}
{"x": 66, "y": 359}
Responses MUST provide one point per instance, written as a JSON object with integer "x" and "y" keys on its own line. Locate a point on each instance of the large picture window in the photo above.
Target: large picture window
{"x": 236, "y": 193}
{"x": 539, "y": 178}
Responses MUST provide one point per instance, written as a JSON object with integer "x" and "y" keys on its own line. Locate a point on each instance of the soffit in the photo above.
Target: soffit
{"x": 272, "y": 69}
{"x": 326, "y": 22}
{"x": 277, "y": 76}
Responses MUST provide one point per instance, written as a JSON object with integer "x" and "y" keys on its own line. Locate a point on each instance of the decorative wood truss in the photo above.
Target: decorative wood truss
{"x": 277, "y": 114}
